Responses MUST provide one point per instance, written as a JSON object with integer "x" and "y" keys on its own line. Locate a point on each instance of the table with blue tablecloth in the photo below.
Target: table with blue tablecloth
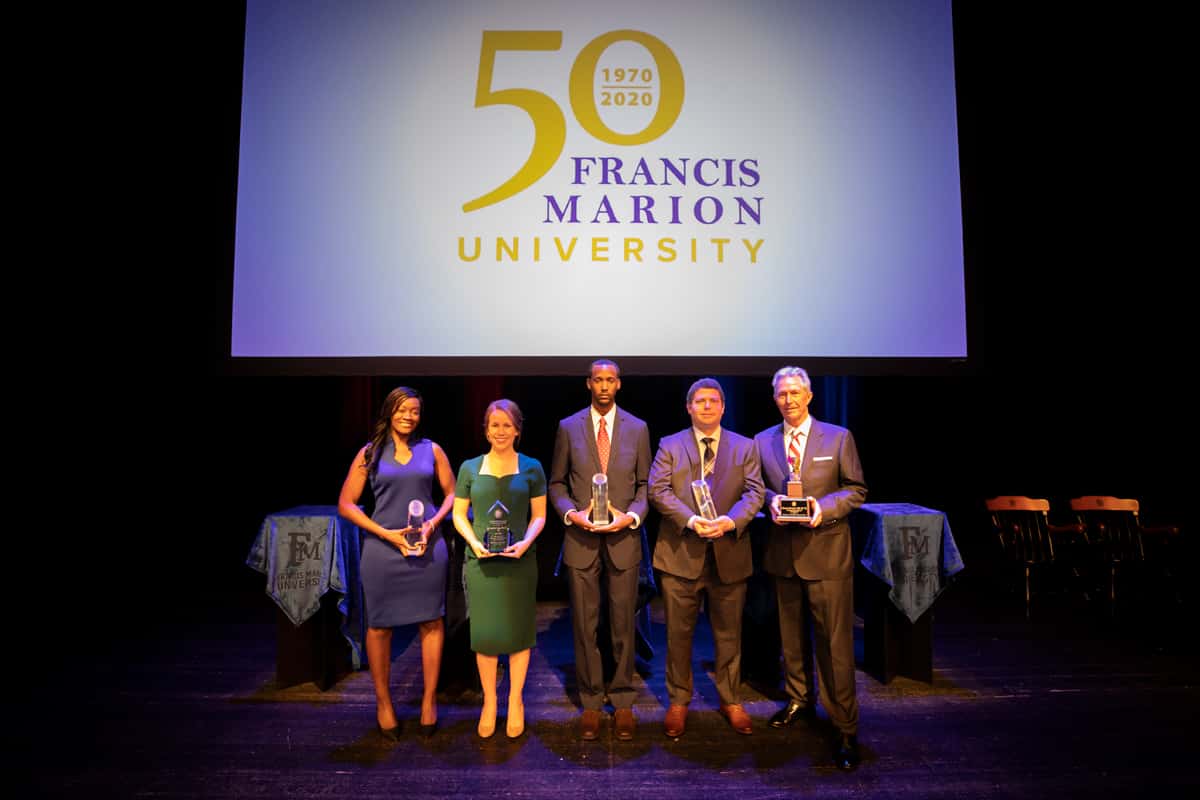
{"x": 310, "y": 555}
{"x": 909, "y": 555}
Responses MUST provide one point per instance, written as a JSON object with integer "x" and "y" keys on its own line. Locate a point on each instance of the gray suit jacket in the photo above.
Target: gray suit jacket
{"x": 737, "y": 491}
{"x": 831, "y": 473}
{"x": 576, "y": 461}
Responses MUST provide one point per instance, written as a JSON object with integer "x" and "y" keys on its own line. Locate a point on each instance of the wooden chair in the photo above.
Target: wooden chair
{"x": 1128, "y": 553}
{"x": 1033, "y": 545}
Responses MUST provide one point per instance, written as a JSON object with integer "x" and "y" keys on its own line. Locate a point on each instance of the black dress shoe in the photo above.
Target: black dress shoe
{"x": 391, "y": 734}
{"x": 792, "y": 713}
{"x": 428, "y": 730}
{"x": 845, "y": 752}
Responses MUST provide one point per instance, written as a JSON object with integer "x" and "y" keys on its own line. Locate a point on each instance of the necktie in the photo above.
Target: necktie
{"x": 794, "y": 452}
{"x": 709, "y": 456}
{"x": 602, "y": 445}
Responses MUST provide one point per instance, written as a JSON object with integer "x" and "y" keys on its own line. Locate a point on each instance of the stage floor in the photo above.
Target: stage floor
{"x": 1015, "y": 710}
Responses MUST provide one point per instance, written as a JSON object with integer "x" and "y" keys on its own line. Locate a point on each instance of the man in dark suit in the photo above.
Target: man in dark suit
{"x": 705, "y": 555}
{"x": 811, "y": 561}
{"x": 602, "y": 439}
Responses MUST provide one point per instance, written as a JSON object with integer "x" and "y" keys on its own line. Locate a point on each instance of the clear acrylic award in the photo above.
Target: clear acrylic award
{"x": 498, "y": 536}
{"x": 416, "y": 518}
{"x": 702, "y": 494}
{"x": 600, "y": 499}
{"x": 794, "y": 507}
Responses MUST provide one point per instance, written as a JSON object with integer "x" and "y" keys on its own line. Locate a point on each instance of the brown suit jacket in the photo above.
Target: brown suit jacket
{"x": 737, "y": 491}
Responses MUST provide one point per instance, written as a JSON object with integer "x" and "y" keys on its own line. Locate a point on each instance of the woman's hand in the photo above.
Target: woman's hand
{"x": 480, "y": 551}
{"x": 397, "y": 537}
{"x": 516, "y": 549}
{"x": 417, "y": 550}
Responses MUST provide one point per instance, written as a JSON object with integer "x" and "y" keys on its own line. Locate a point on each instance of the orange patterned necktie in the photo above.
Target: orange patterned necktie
{"x": 602, "y": 445}
{"x": 794, "y": 452}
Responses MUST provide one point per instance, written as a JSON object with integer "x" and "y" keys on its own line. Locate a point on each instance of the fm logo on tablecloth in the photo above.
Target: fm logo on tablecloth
{"x": 299, "y": 551}
{"x": 916, "y": 543}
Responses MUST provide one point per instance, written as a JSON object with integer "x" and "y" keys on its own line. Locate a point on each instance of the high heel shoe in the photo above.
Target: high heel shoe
{"x": 428, "y": 728}
{"x": 391, "y": 734}
{"x": 486, "y": 727}
{"x": 514, "y": 726}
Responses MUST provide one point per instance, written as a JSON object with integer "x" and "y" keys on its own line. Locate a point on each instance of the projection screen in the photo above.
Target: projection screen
{"x": 668, "y": 179}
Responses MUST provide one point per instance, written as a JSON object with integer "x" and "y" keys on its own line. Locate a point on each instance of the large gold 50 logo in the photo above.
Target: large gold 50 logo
{"x": 549, "y": 125}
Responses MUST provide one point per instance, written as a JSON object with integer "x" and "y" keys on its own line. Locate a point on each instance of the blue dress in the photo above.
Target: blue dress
{"x": 502, "y": 591}
{"x": 401, "y": 590}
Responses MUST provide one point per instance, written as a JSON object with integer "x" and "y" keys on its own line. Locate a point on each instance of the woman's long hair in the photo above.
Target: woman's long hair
{"x": 383, "y": 425}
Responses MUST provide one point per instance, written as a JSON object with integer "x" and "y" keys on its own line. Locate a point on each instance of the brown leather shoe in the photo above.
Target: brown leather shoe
{"x": 674, "y": 722}
{"x": 625, "y": 723}
{"x": 739, "y": 720}
{"x": 589, "y": 725}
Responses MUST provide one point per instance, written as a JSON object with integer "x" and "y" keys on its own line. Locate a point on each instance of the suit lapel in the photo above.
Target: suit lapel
{"x": 589, "y": 437}
{"x": 693, "y": 454}
{"x": 721, "y": 464}
{"x": 779, "y": 451}
{"x": 619, "y": 424}
{"x": 811, "y": 447}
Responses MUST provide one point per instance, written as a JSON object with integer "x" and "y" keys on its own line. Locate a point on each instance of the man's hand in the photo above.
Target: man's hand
{"x": 620, "y": 521}
{"x": 817, "y": 515}
{"x": 712, "y": 529}
{"x": 580, "y": 519}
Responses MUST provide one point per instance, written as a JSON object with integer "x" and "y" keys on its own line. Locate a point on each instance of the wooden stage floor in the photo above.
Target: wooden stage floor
{"x": 1016, "y": 710}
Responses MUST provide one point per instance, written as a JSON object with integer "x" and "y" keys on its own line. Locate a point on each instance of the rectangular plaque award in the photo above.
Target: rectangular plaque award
{"x": 705, "y": 506}
{"x": 498, "y": 536}
{"x": 795, "y": 507}
{"x": 416, "y": 518}
{"x": 600, "y": 499}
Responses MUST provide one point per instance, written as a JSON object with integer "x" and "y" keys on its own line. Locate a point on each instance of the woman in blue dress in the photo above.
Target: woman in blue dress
{"x": 403, "y": 583}
{"x": 502, "y": 587}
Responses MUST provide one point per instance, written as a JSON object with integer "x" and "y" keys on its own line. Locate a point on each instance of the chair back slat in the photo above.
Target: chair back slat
{"x": 1113, "y": 526}
{"x": 1021, "y": 523}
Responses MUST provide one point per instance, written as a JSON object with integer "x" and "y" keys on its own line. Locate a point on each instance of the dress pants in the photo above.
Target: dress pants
{"x": 826, "y": 610}
{"x": 589, "y": 587}
{"x": 725, "y": 602}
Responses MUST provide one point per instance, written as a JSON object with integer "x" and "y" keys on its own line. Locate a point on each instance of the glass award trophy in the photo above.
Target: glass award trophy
{"x": 498, "y": 536}
{"x": 702, "y": 494}
{"x": 794, "y": 507}
{"x": 600, "y": 499}
{"x": 416, "y": 518}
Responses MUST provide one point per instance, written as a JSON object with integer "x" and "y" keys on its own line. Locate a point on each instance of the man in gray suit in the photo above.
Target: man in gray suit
{"x": 811, "y": 561}
{"x": 698, "y": 555}
{"x": 602, "y": 439}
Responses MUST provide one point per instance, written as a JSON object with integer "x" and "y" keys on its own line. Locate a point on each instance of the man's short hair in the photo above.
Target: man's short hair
{"x": 790, "y": 372}
{"x": 705, "y": 383}
{"x": 600, "y": 363}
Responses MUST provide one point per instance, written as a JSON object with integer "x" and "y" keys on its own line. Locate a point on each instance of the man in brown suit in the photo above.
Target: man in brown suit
{"x": 811, "y": 561}
{"x": 698, "y": 555}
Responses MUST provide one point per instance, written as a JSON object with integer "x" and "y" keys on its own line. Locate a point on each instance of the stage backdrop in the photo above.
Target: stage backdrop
{"x": 627, "y": 177}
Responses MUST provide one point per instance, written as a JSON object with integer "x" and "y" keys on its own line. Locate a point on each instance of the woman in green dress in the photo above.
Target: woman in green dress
{"x": 502, "y": 586}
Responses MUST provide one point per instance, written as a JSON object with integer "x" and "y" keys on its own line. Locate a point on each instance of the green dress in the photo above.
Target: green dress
{"x": 501, "y": 591}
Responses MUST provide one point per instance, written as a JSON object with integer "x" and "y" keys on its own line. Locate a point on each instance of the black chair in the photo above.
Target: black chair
{"x": 1041, "y": 553}
{"x": 1133, "y": 560}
